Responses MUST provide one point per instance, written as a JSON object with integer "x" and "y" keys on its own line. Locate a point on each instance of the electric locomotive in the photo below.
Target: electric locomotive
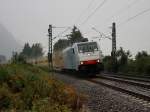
{"x": 84, "y": 57}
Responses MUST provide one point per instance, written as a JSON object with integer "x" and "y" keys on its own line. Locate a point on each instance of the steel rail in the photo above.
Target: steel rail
{"x": 131, "y": 82}
{"x": 129, "y": 92}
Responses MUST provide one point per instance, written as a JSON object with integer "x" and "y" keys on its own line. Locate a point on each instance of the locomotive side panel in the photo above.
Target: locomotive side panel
{"x": 68, "y": 57}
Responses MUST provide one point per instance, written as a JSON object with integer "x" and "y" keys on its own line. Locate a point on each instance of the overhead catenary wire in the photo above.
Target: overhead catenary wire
{"x": 133, "y": 17}
{"x": 96, "y": 9}
{"x": 102, "y": 35}
{"x": 84, "y": 11}
{"x": 60, "y": 26}
{"x": 147, "y": 10}
{"x": 124, "y": 9}
{"x": 99, "y": 6}
{"x": 61, "y": 33}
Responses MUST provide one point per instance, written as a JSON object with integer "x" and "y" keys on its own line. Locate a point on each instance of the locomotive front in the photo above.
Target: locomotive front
{"x": 89, "y": 57}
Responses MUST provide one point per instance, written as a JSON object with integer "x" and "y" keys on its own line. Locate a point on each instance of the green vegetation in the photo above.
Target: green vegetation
{"x": 28, "y": 53}
{"x": 61, "y": 42}
{"x": 125, "y": 64}
{"x": 74, "y": 37}
{"x": 25, "y": 87}
{"x": 32, "y": 52}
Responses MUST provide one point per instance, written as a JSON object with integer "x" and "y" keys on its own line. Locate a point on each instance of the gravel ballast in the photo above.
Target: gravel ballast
{"x": 126, "y": 86}
{"x": 103, "y": 99}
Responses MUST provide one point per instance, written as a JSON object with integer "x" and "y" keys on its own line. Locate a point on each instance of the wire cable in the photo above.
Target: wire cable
{"x": 89, "y": 5}
{"x": 61, "y": 33}
{"x": 133, "y": 17}
{"x": 117, "y": 13}
{"x": 97, "y": 8}
{"x": 124, "y": 9}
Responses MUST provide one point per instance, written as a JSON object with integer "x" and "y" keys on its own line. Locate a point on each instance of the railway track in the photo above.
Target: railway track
{"x": 127, "y": 90}
{"x": 104, "y": 96}
{"x": 140, "y": 79}
{"x": 132, "y": 87}
{"x": 144, "y": 84}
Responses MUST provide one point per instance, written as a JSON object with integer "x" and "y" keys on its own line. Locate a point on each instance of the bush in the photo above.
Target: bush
{"x": 3, "y": 75}
{"x": 107, "y": 63}
{"x": 26, "y": 87}
{"x": 46, "y": 106}
{"x": 16, "y": 83}
{"x": 5, "y": 98}
{"x": 139, "y": 66}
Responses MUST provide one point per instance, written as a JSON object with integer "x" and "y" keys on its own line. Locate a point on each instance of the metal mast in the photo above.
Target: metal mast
{"x": 50, "y": 48}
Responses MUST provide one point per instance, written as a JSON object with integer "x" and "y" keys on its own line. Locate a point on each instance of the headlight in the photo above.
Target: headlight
{"x": 98, "y": 60}
{"x": 81, "y": 62}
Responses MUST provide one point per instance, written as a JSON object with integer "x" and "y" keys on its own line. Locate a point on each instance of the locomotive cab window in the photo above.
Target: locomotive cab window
{"x": 87, "y": 47}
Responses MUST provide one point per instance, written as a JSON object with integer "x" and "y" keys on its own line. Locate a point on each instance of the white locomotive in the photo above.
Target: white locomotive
{"x": 83, "y": 56}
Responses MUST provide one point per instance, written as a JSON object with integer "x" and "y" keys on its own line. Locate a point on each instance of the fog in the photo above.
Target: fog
{"x": 28, "y": 20}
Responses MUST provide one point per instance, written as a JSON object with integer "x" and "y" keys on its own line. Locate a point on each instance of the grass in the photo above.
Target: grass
{"x": 25, "y": 87}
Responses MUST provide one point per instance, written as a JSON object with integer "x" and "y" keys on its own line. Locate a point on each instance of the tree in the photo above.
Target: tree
{"x": 61, "y": 44}
{"x": 122, "y": 59}
{"x": 107, "y": 60}
{"x": 142, "y": 62}
{"x": 123, "y": 56}
{"x": 36, "y": 50}
{"x": 141, "y": 54}
{"x": 18, "y": 58}
{"x": 121, "y": 62}
{"x": 76, "y": 36}
{"x": 26, "y": 50}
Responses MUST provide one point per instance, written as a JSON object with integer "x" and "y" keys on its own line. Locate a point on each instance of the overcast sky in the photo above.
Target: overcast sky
{"x": 28, "y": 20}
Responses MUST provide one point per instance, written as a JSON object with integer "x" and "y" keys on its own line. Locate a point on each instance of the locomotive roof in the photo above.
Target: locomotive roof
{"x": 84, "y": 42}
{"x": 68, "y": 48}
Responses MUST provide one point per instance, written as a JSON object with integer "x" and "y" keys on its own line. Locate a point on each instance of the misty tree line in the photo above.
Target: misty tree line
{"x": 125, "y": 64}
{"x": 35, "y": 51}
{"x": 28, "y": 52}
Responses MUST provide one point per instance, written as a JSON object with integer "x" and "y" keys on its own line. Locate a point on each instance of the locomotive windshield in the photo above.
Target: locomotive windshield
{"x": 87, "y": 47}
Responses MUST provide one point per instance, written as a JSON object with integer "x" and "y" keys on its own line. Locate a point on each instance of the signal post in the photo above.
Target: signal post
{"x": 113, "y": 53}
{"x": 50, "y": 48}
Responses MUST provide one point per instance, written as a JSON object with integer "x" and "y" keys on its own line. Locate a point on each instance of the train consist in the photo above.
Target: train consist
{"x": 84, "y": 57}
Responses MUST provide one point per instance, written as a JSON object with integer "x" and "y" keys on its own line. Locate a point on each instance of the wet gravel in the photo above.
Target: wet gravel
{"x": 127, "y": 80}
{"x": 126, "y": 86}
{"x": 103, "y": 99}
